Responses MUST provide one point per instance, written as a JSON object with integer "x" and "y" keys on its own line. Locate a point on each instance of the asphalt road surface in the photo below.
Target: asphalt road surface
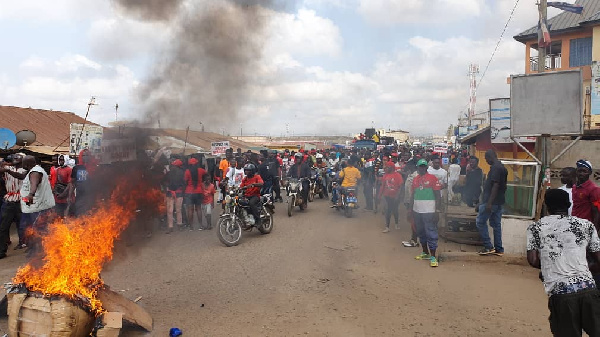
{"x": 318, "y": 274}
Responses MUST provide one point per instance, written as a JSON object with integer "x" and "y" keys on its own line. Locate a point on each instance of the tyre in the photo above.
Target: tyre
{"x": 291, "y": 203}
{"x": 229, "y": 231}
{"x": 348, "y": 212}
{"x": 311, "y": 196}
{"x": 266, "y": 225}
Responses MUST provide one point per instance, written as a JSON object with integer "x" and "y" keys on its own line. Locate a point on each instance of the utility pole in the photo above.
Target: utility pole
{"x": 117, "y": 112}
{"x": 543, "y": 8}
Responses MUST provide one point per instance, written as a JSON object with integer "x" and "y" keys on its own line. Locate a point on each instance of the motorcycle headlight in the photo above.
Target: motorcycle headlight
{"x": 227, "y": 198}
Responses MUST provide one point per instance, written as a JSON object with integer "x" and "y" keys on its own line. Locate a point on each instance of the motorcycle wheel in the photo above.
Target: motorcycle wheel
{"x": 229, "y": 232}
{"x": 291, "y": 203}
{"x": 348, "y": 212}
{"x": 266, "y": 225}
{"x": 311, "y": 196}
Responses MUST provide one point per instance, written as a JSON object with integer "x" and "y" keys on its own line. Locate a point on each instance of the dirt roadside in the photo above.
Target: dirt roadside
{"x": 319, "y": 274}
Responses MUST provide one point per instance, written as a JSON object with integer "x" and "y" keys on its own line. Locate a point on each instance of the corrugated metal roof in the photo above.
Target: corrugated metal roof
{"x": 51, "y": 127}
{"x": 566, "y": 20}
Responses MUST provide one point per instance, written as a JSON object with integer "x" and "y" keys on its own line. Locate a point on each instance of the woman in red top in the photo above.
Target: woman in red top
{"x": 391, "y": 186}
{"x": 193, "y": 192}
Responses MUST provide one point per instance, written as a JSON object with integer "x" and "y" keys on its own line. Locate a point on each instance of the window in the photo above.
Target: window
{"x": 580, "y": 53}
{"x": 521, "y": 188}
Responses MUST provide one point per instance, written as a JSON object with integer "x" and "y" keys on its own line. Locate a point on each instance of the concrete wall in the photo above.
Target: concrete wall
{"x": 584, "y": 149}
{"x": 514, "y": 236}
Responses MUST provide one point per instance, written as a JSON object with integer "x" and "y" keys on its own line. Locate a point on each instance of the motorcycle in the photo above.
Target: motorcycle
{"x": 316, "y": 185}
{"x": 348, "y": 200}
{"x": 294, "y": 190}
{"x": 237, "y": 217}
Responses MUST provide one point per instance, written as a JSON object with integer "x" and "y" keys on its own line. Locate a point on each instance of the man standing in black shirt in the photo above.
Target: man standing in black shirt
{"x": 472, "y": 189}
{"x": 491, "y": 205}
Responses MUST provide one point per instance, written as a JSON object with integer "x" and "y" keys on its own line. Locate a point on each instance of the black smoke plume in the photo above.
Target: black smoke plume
{"x": 203, "y": 73}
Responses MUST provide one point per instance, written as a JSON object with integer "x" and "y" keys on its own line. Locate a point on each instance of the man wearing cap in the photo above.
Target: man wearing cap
{"x": 585, "y": 193}
{"x": 425, "y": 204}
{"x": 557, "y": 244}
{"x": 13, "y": 174}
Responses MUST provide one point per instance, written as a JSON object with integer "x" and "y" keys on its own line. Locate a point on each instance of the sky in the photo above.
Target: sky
{"x": 329, "y": 67}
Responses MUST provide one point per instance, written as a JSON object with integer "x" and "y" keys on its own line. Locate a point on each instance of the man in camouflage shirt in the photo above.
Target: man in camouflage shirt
{"x": 557, "y": 244}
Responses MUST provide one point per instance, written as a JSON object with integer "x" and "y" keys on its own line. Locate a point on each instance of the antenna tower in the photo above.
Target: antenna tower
{"x": 473, "y": 72}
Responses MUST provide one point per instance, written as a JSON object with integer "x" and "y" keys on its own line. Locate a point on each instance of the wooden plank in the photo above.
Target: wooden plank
{"x": 132, "y": 313}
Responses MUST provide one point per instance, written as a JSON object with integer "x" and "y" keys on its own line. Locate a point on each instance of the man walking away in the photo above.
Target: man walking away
{"x": 472, "y": 189}
{"x": 13, "y": 176}
{"x": 568, "y": 177}
{"x": 411, "y": 172}
{"x": 492, "y": 205}
{"x": 425, "y": 203}
{"x": 557, "y": 244}
{"x": 37, "y": 200}
{"x": 193, "y": 192}
{"x": 391, "y": 187}
{"x": 175, "y": 186}
{"x": 453, "y": 177}
{"x": 585, "y": 194}
{"x": 369, "y": 180}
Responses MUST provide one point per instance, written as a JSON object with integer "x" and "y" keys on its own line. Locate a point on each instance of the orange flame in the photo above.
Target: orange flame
{"x": 76, "y": 250}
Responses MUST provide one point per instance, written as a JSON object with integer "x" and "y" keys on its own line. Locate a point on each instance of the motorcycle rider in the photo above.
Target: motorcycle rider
{"x": 322, "y": 166}
{"x": 300, "y": 170}
{"x": 350, "y": 175}
{"x": 251, "y": 184}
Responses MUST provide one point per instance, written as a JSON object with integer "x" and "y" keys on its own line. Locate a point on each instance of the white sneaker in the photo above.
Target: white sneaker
{"x": 386, "y": 230}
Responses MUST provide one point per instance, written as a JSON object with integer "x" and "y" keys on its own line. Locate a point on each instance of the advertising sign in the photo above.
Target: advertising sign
{"x": 219, "y": 148}
{"x": 88, "y": 137}
{"x": 500, "y": 122}
{"x": 116, "y": 150}
{"x": 595, "y": 89}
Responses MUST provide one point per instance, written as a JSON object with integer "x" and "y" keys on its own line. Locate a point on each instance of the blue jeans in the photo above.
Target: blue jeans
{"x": 427, "y": 230}
{"x": 495, "y": 218}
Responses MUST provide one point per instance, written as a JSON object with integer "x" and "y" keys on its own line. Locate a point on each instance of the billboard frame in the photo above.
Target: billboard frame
{"x": 580, "y": 106}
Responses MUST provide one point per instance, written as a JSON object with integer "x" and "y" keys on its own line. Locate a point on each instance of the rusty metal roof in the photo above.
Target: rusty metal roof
{"x": 565, "y": 21}
{"x": 51, "y": 127}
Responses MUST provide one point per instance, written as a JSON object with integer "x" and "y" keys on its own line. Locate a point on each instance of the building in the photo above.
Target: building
{"x": 575, "y": 45}
{"x": 400, "y": 136}
{"x": 52, "y": 128}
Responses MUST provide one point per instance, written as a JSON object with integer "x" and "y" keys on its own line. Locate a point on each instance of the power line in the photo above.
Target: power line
{"x": 512, "y": 12}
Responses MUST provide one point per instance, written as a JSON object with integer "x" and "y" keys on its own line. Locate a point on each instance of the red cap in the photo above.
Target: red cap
{"x": 177, "y": 162}
{"x": 192, "y": 161}
{"x": 390, "y": 164}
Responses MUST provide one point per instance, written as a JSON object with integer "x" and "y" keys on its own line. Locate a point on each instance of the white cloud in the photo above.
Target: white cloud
{"x": 303, "y": 34}
{"x": 118, "y": 38}
{"x": 56, "y": 10}
{"x": 389, "y": 12}
{"x": 67, "y": 84}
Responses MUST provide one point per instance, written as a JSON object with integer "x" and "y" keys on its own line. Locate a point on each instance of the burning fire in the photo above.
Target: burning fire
{"x": 74, "y": 251}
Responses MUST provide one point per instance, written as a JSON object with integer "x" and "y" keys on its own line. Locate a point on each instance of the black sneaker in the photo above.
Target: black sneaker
{"x": 486, "y": 251}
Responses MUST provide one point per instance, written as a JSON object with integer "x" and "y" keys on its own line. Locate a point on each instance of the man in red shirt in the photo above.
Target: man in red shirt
{"x": 60, "y": 189}
{"x": 193, "y": 192}
{"x": 585, "y": 193}
{"x": 252, "y": 184}
{"x": 391, "y": 185}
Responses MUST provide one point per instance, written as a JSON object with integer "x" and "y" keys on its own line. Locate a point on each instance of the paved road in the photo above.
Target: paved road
{"x": 319, "y": 274}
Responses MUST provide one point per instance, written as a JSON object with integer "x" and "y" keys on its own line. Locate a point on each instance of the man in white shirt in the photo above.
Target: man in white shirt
{"x": 557, "y": 244}
{"x": 454, "y": 173}
{"x": 568, "y": 177}
{"x": 437, "y": 170}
